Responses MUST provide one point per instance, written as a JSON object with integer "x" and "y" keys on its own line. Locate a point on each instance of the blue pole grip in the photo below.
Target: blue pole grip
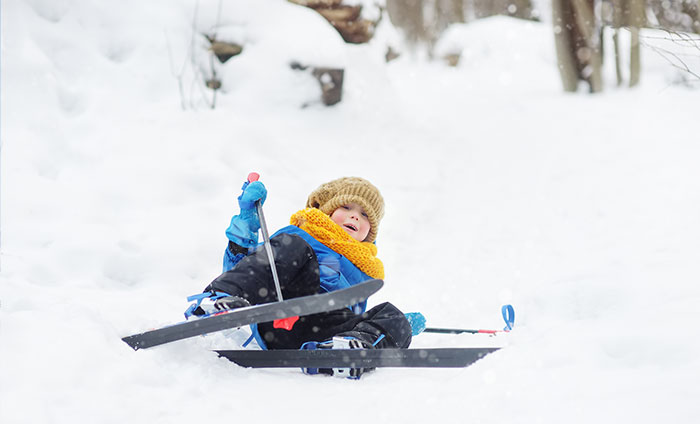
{"x": 508, "y": 316}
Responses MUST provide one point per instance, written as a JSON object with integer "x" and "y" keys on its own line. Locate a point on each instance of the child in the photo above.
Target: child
{"x": 329, "y": 246}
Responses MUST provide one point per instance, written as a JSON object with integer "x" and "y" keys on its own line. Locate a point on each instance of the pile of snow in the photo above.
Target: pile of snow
{"x": 579, "y": 210}
{"x": 518, "y": 51}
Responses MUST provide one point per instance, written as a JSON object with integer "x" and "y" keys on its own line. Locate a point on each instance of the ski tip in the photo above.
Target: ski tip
{"x": 134, "y": 344}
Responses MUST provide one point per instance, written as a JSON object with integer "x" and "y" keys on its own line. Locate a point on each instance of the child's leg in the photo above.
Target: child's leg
{"x": 383, "y": 326}
{"x": 314, "y": 327}
{"x": 251, "y": 278}
{"x": 384, "y": 322}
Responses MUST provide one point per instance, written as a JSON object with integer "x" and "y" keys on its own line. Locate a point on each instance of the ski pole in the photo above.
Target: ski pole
{"x": 254, "y": 176}
{"x": 507, "y": 311}
{"x": 461, "y": 331}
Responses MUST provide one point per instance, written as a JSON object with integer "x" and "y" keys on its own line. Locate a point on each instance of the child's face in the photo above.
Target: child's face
{"x": 353, "y": 219}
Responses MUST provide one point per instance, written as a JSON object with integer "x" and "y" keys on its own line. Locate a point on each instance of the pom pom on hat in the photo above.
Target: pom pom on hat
{"x": 332, "y": 195}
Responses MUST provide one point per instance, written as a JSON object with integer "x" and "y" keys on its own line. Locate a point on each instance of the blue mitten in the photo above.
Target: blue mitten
{"x": 252, "y": 192}
{"x": 417, "y": 321}
{"x": 244, "y": 227}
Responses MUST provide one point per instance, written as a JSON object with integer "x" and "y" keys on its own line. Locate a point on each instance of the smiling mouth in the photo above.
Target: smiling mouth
{"x": 351, "y": 227}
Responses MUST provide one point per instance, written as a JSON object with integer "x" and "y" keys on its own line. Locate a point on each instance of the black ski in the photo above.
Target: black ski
{"x": 256, "y": 314}
{"x": 358, "y": 358}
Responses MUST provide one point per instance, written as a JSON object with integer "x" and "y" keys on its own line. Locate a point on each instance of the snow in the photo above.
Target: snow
{"x": 117, "y": 186}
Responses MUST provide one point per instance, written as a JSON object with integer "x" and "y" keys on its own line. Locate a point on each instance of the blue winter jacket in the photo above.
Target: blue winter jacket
{"x": 336, "y": 271}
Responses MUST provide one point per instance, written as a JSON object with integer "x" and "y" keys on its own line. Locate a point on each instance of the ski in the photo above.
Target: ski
{"x": 358, "y": 358}
{"x": 255, "y": 314}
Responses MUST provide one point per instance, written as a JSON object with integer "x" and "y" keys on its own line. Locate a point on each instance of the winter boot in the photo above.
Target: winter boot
{"x": 338, "y": 342}
{"x": 212, "y": 303}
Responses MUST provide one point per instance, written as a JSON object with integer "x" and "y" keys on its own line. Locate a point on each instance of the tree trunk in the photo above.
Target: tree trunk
{"x": 562, "y": 19}
{"x": 617, "y": 23}
{"x": 446, "y": 13}
{"x": 618, "y": 65}
{"x": 637, "y": 19}
{"x": 578, "y": 44}
{"x": 450, "y": 11}
{"x": 588, "y": 53}
{"x": 408, "y": 15}
{"x": 635, "y": 61}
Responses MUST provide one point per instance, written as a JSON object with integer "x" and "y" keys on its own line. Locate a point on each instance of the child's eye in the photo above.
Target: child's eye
{"x": 346, "y": 207}
{"x": 365, "y": 215}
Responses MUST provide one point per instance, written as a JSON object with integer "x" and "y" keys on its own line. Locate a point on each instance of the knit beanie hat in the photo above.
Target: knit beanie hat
{"x": 332, "y": 195}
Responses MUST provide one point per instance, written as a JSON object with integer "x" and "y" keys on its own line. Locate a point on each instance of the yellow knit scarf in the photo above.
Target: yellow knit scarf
{"x": 320, "y": 226}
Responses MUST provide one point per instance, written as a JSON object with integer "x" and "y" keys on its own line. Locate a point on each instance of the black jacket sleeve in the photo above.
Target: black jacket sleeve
{"x": 251, "y": 278}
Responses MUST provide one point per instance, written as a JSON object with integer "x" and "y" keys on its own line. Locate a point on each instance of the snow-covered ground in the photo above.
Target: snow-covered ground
{"x": 117, "y": 186}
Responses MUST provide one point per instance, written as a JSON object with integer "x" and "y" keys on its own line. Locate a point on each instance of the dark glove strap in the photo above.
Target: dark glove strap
{"x": 236, "y": 249}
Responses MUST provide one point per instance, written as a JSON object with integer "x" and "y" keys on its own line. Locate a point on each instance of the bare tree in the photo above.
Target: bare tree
{"x": 629, "y": 14}
{"x": 447, "y": 12}
{"x": 678, "y": 49}
{"x": 676, "y": 15}
{"x": 578, "y": 28}
{"x": 423, "y": 21}
{"x": 517, "y": 8}
{"x": 578, "y": 43}
{"x": 408, "y": 15}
